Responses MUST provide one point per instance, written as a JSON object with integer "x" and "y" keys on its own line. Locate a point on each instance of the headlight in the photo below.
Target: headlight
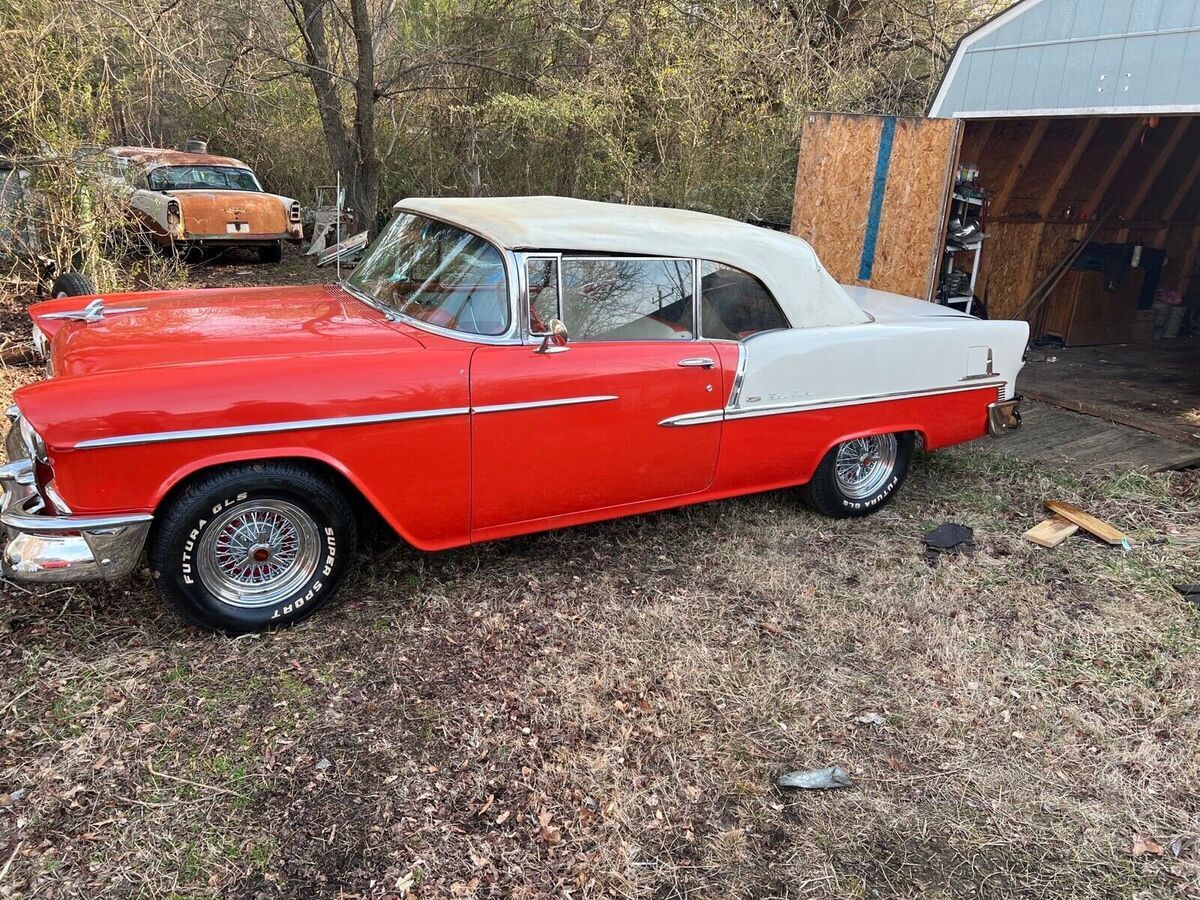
{"x": 33, "y": 442}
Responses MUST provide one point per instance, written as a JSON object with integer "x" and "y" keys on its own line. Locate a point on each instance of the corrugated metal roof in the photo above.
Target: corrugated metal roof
{"x": 1077, "y": 57}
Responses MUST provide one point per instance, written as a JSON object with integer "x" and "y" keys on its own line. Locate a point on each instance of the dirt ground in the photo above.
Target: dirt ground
{"x": 604, "y": 711}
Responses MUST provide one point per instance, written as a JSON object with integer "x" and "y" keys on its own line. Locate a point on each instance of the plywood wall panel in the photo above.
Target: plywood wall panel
{"x": 1009, "y": 262}
{"x": 833, "y": 188}
{"x": 835, "y": 181}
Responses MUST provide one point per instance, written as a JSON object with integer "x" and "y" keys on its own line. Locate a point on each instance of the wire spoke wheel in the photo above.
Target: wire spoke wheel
{"x": 864, "y": 465}
{"x": 258, "y": 553}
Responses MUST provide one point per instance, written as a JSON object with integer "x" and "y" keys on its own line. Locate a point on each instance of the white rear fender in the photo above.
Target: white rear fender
{"x": 885, "y": 359}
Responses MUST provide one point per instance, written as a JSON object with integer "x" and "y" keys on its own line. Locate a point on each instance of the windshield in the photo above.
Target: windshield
{"x": 436, "y": 273}
{"x": 184, "y": 178}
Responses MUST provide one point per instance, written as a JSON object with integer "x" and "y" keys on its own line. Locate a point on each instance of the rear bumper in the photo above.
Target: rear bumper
{"x": 237, "y": 240}
{"x": 1004, "y": 416}
{"x": 50, "y": 549}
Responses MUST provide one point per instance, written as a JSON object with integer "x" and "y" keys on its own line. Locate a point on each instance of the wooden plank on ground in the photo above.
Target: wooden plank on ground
{"x": 1060, "y": 438}
{"x": 1087, "y": 522}
{"x": 1051, "y": 532}
{"x": 1110, "y": 413}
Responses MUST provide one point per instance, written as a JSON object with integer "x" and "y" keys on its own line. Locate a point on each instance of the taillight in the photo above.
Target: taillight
{"x": 294, "y": 212}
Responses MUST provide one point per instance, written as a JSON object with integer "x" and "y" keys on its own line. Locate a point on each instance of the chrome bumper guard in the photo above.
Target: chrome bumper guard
{"x": 50, "y": 549}
{"x": 1004, "y": 416}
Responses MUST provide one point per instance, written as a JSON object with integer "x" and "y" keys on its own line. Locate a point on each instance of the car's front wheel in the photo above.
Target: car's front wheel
{"x": 860, "y": 476}
{"x": 253, "y": 546}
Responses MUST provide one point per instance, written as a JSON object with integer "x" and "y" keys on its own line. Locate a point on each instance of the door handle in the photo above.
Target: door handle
{"x": 697, "y": 362}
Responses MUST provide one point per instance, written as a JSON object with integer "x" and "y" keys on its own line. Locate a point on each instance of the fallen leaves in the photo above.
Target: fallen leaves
{"x": 1146, "y": 846}
{"x": 549, "y": 833}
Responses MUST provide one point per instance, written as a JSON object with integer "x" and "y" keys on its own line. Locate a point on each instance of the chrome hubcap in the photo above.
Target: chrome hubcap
{"x": 865, "y": 464}
{"x": 258, "y": 553}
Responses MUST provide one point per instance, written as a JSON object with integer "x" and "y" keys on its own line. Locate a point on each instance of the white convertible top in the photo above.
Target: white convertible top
{"x": 787, "y": 265}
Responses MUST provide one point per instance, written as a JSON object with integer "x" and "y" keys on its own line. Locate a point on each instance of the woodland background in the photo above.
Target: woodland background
{"x": 693, "y": 104}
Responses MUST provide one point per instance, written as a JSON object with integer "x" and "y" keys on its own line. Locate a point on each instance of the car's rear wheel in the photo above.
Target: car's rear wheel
{"x": 860, "y": 476}
{"x": 271, "y": 253}
{"x": 253, "y": 546}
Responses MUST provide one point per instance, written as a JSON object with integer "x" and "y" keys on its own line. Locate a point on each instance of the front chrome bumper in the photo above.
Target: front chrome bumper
{"x": 1004, "y": 416}
{"x": 46, "y": 548}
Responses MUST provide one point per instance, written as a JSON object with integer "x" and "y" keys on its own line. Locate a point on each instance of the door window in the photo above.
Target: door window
{"x": 541, "y": 280}
{"x": 734, "y": 304}
{"x": 627, "y": 299}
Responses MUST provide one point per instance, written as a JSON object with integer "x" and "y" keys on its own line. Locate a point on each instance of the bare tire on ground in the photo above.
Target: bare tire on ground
{"x": 72, "y": 284}
{"x": 253, "y": 546}
{"x": 271, "y": 253}
{"x": 859, "y": 476}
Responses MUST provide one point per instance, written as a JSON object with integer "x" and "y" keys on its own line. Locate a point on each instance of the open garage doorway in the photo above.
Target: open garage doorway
{"x": 1093, "y": 228}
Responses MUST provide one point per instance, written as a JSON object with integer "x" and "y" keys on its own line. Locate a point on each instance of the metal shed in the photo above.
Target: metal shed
{"x": 1077, "y": 58}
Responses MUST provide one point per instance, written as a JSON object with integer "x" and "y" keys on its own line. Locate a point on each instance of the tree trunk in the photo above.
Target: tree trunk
{"x": 352, "y": 150}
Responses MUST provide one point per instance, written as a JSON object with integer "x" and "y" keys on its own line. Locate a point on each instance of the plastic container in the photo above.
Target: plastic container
{"x": 1174, "y": 321}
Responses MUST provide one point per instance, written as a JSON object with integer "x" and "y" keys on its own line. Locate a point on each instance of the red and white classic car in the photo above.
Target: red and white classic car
{"x": 650, "y": 357}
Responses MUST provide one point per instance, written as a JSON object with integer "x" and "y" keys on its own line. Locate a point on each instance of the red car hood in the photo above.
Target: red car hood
{"x": 200, "y": 326}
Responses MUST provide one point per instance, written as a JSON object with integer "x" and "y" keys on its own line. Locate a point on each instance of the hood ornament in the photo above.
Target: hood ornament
{"x": 93, "y": 312}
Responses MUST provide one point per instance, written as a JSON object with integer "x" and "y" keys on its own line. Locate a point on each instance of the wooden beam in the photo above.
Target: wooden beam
{"x": 1114, "y": 166}
{"x": 984, "y": 134}
{"x": 1188, "y": 261}
{"x": 1068, "y": 167}
{"x": 1135, "y": 225}
{"x": 1151, "y": 174}
{"x": 1000, "y": 202}
{"x": 1185, "y": 187}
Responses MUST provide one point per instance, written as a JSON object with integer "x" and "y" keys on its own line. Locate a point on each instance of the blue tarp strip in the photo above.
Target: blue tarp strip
{"x": 882, "y": 162}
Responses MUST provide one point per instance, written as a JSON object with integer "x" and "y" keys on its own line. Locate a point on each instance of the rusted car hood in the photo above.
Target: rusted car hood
{"x": 168, "y": 328}
{"x": 208, "y": 212}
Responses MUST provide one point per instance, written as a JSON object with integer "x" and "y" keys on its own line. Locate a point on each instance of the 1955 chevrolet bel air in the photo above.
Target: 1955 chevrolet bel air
{"x": 492, "y": 367}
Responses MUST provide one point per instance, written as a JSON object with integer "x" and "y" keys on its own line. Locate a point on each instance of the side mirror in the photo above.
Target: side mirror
{"x": 555, "y": 340}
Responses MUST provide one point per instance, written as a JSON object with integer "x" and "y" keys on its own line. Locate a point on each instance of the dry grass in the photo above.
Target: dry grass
{"x": 601, "y": 712}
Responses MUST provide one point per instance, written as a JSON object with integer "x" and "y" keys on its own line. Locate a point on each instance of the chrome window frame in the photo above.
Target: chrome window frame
{"x": 523, "y": 267}
{"x": 530, "y": 336}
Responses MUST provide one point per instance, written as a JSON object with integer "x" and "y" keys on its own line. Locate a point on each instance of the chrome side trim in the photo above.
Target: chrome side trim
{"x": 159, "y": 437}
{"x": 703, "y": 417}
{"x": 538, "y": 404}
{"x": 776, "y": 409}
{"x": 739, "y": 376}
